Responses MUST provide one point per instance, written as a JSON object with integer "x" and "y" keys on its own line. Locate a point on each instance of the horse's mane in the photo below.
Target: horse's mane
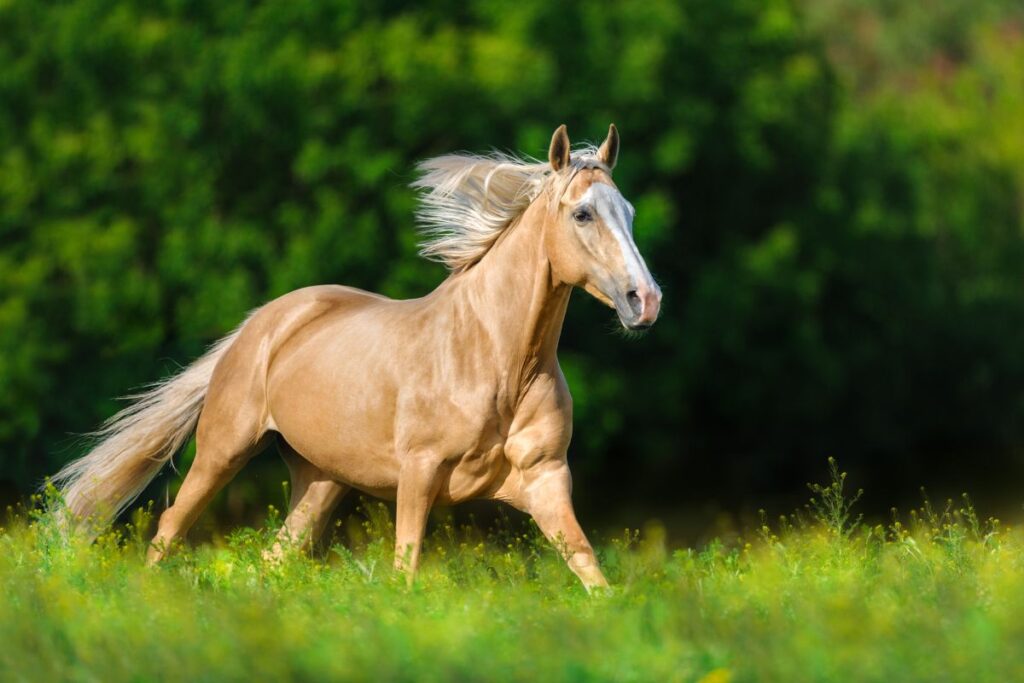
{"x": 469, "y": 199}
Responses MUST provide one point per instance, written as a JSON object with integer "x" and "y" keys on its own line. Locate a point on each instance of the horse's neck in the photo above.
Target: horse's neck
{"x": 515, "y": 300}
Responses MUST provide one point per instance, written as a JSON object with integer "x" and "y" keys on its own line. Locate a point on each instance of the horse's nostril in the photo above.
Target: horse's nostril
{"x": 635, "y": 303}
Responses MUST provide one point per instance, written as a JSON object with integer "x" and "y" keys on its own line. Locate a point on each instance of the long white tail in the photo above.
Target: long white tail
{"x": 133, "y": 445}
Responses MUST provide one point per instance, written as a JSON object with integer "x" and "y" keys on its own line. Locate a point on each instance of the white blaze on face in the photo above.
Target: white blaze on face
{"x": 617, "y": 214}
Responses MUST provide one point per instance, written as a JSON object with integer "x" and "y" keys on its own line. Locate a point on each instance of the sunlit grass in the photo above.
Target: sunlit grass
{"x": 818, "y": 596}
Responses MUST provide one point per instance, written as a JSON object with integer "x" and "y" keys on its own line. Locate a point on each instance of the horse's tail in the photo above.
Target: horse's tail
{"x": 133, "y": 445}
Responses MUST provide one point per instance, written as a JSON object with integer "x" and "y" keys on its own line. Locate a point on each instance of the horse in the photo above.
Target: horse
{"x": 453, "y": 396}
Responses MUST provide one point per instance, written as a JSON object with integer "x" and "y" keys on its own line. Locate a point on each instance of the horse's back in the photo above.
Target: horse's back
{"x": 273, "y": 325}
{"x": 244, "y": 369}
{"x": 308, "y": 303}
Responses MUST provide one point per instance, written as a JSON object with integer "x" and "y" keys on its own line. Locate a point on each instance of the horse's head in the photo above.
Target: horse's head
{"x": 589, "y": 235}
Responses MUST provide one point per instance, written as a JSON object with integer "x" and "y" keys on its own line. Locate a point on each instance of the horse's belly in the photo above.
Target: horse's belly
{"x": 369, "y": 463}
{"x": 374, "y": 470}
{"x": 359, "y": 448}
{"x": 371, "y": 468}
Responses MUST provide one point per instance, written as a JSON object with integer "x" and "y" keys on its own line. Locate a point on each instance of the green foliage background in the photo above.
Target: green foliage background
{"x": 832, "y": 194}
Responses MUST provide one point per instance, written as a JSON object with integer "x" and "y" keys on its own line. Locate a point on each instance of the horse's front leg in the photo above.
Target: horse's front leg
{"x": 418, "y": 483}
{"x": 547, "y": 495}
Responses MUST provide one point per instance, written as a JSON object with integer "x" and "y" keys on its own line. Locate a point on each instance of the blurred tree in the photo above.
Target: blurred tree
{"x": 840, "y": 250}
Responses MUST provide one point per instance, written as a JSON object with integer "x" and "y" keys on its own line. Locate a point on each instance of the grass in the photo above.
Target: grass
{"x": 820, "y": 596}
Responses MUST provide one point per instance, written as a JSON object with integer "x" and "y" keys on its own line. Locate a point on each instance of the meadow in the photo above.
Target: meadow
{"x": 830, "y": 192}
{"x": 934, "y": 595}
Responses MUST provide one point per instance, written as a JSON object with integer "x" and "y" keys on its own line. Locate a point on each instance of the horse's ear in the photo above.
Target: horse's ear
{"x": 558, "y": 153}
{"x": 609, "y": 151}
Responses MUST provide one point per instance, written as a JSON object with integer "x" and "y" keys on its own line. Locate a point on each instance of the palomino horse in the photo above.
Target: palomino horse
{"x": 453, "y": 396}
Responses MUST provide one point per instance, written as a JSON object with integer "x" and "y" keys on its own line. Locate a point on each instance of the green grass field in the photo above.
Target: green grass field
{"x": 817, "y": 597}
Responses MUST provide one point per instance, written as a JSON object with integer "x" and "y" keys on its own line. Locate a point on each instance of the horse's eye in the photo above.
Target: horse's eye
{"x": 582, "y": 216}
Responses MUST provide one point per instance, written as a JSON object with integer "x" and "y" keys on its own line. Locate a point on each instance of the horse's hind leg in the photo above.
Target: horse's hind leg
{"x": 223, "y": 446}
{"x": 314, "y": 497}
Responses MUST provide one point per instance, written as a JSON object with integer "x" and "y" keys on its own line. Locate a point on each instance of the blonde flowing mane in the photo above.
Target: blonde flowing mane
{"x": 468, "y": 200}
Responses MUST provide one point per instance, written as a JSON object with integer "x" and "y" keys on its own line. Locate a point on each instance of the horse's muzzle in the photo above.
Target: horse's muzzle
{"x": 644, "y": 304}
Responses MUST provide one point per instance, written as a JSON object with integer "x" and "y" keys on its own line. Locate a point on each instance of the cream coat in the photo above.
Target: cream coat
{"x": 450, "y": 397}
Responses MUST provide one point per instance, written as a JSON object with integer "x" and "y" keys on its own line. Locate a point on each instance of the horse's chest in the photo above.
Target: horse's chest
{"x": 474, "y": 435}
{"x": 499, "y": 446}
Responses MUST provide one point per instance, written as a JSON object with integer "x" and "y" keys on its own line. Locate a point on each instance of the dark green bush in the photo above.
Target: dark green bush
{"x": 841, "y": 262}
